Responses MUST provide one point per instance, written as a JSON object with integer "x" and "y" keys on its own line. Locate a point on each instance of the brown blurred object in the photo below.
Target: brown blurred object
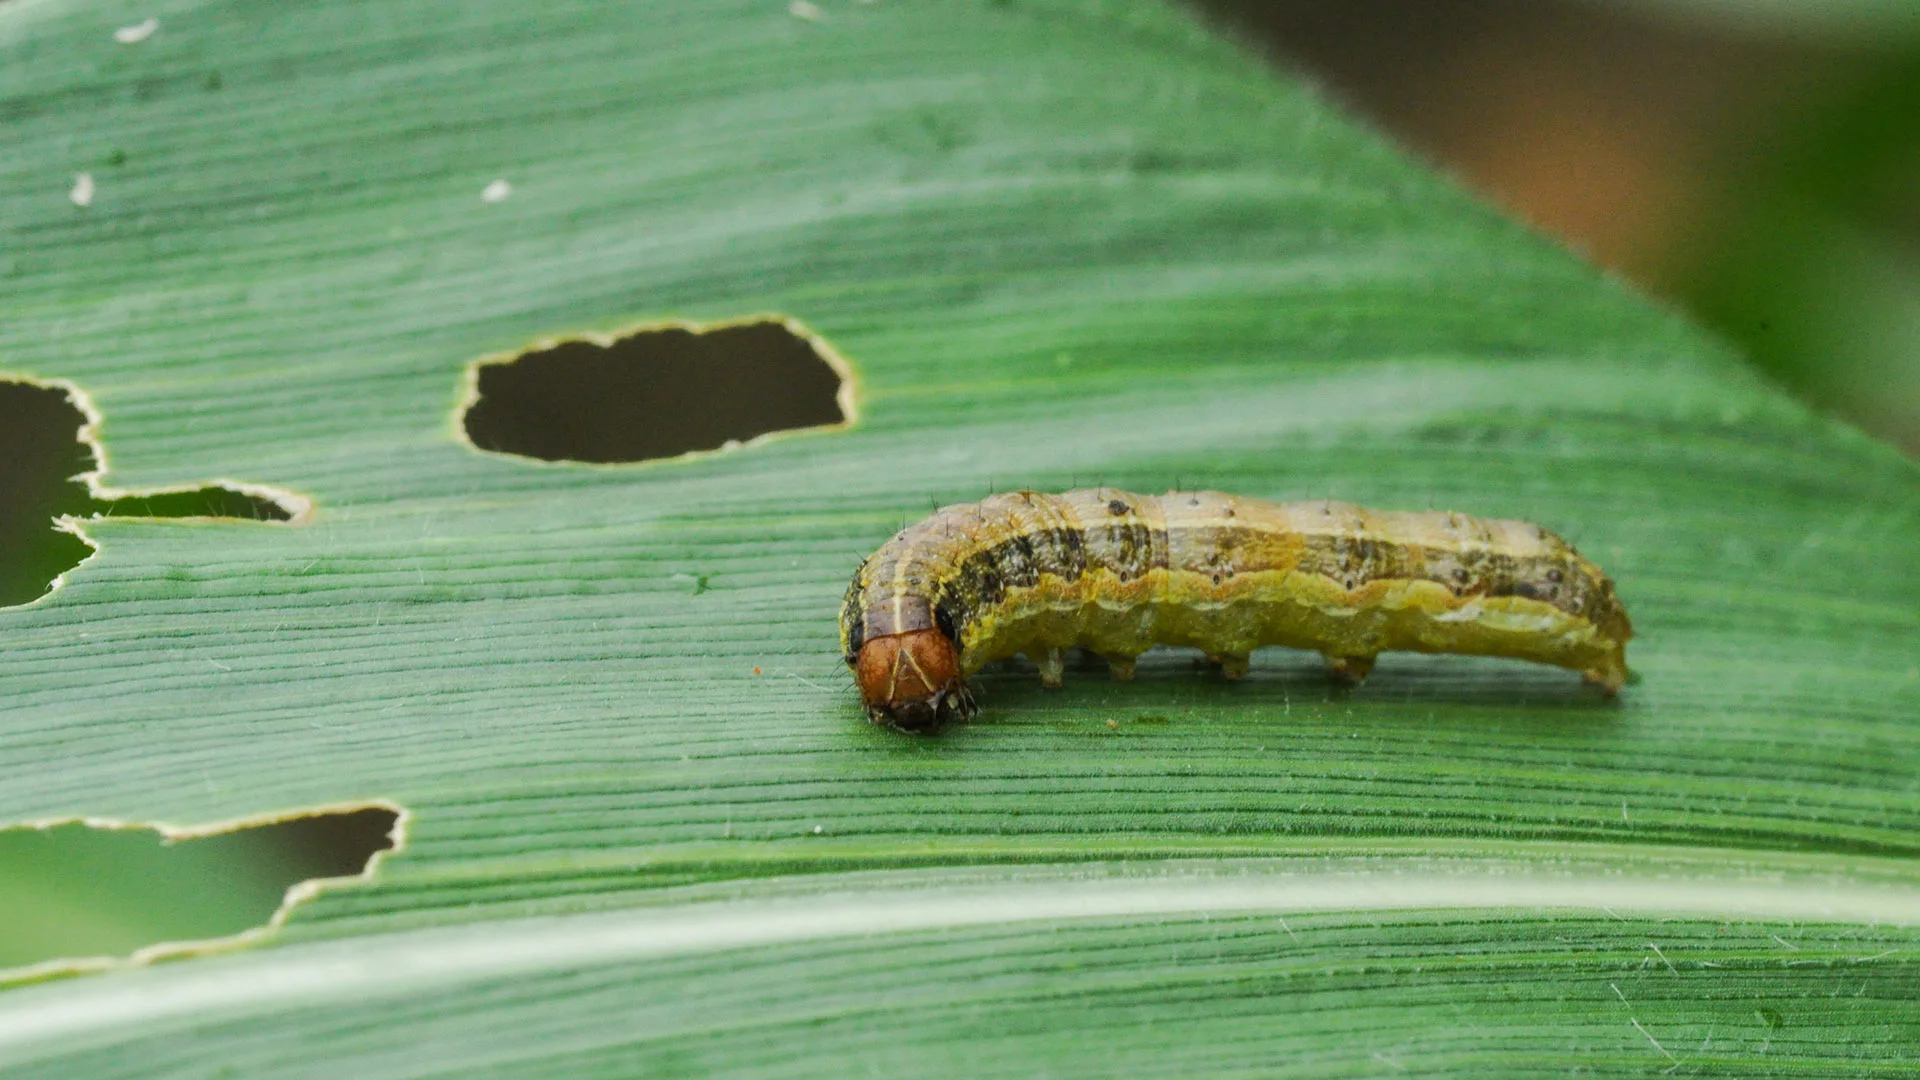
{"x": 1684, "y": 145}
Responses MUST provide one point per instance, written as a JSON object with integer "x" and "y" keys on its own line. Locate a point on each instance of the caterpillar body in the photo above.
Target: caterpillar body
{"x": 1117, "y": 573}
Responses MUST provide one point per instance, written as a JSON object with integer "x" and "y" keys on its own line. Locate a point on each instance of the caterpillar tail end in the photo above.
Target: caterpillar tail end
{"x": 912, "y": 681}
{"x": 1607, "y": 682}
{"x": 1610, "y": 675}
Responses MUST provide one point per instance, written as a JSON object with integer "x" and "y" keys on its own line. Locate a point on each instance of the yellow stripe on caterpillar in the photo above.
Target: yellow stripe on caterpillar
{"x": 1118, "y": 573}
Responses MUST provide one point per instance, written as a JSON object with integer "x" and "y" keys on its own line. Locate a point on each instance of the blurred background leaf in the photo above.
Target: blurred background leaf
{"x": 1754, "y": 162}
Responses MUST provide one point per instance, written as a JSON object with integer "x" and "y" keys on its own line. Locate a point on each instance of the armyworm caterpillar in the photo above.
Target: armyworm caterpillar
{"x": 1117, "y": 573}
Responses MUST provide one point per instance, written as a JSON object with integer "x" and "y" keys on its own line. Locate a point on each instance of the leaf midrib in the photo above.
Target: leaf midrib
{"x": 829, "y": 907}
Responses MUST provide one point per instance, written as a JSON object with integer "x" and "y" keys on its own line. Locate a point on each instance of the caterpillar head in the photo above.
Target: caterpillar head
{"x": 911, "y": 680}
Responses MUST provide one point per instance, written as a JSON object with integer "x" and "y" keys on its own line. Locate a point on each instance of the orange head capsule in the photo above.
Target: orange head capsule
{"x": 911, "y": 680}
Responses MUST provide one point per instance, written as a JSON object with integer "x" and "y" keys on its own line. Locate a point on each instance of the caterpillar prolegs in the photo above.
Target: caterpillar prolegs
{"x": 1117, "y": 573}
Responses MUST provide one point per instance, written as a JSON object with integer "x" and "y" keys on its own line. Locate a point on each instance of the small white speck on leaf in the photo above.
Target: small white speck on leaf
{"x": 82, "y": 193}
{"x": 137, "y": 33}
{"x": 817, "y": 830}
{"x": 496, "y": 192}
{"x": 806, "y": 9}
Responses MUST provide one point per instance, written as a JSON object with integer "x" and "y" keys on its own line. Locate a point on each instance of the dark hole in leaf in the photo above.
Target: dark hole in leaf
{"x": 41, "y": 460}
{"x": 74, "y": 891}
{"x": 39, "y": 457}
{"x": 202, "y": 502}
{"x": 657, "y": 393}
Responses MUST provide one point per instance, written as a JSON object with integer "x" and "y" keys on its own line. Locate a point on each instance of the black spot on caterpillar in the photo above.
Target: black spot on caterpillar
{"x": 1117, "y": 573}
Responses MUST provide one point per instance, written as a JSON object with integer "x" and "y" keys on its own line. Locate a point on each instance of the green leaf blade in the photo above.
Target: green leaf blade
{"x": 1061, "y": 244}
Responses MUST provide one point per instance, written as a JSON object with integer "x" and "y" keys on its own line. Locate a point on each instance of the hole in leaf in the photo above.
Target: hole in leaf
{"x": 40, "y": 462}
{"x": 201, "y": 502}
{"x": 658, "y": 392}
{"x": 75, "y": 895}
{"x": 50, "y": 464}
